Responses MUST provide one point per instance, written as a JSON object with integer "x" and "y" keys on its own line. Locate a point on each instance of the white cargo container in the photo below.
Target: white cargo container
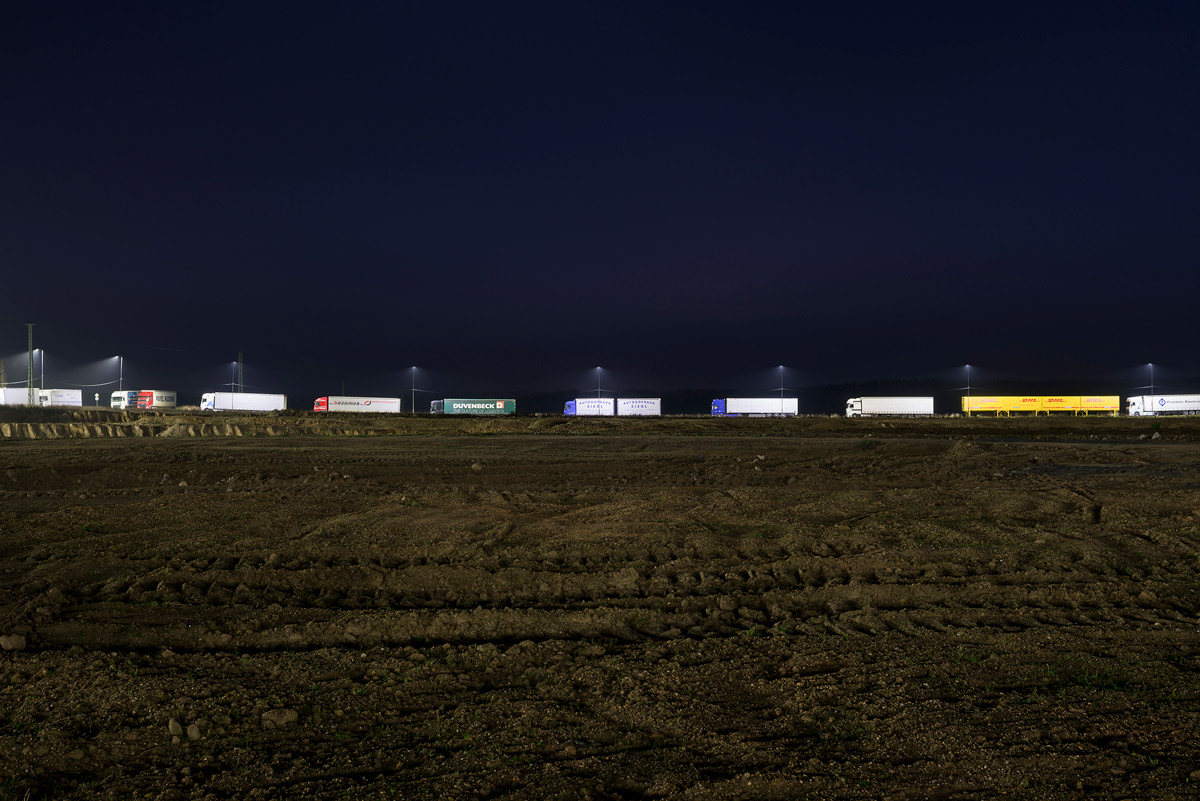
{"x": 755, "y": 407}
{"x": 639, "y": 407}
{"x": 16, "y": 396}
{"x": 889, "y": 407}
{"x": 60, "y": 397}
{"x": 1140, "y": 405}
{"x": 156, "y": 399}
{"x": 590, "y": 407}
{"x": 347, "y": 403}
{"x": 242, "y": 402}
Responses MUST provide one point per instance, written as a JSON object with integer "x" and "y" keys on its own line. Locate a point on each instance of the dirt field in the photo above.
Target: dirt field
{"x": 540, "y": 608}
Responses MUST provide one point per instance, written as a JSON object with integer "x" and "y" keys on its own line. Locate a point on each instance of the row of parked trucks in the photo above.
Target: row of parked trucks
{"x": 472, "y": 406}
{"x": 874, "y": 406}
{"x": 123, "y": 399}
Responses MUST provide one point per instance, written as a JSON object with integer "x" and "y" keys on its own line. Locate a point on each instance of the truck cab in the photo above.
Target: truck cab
{"x": 854, "y": 407}
{"x": 1134, "y": 407}
{"x": 156, "y": 399}
{"x": 124, "y": 399}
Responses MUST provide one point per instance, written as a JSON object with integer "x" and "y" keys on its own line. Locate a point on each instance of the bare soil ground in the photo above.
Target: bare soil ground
{"x": 543, "y": 608}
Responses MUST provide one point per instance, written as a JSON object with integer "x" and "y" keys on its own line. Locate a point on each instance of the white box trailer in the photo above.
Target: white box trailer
{"x": 16, "y": 396}
{"x": 1146, "y": 405}
{"x": 889, "y": 407}
{"x": 755, "y": 407}
{"x": 348, "y": 403}
{"x": 590, "y": 407}
{"x": 156, "y": 399}
{"x": 60, "y": 397}
{"x": 639, "y": 407}
{"x": 242, "y": 402}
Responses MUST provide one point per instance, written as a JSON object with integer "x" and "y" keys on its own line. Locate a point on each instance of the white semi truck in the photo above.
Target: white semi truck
{"x": 590, "y": 407}
{"x": 755, "y": 407}
{"x": 889, "y": 407}
{"x": 124, "y": 399}
{"x": 347, "y": 403}
{"x": 1140, "y": 405}
{"x": 242, "y": 402}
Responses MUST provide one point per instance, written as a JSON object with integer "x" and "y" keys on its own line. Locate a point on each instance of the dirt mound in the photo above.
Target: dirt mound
{"x": 55, "y": 415}
{"x": 963, "y": 449}
{"x": 202, "y": 430}
{"x": 73, "y": 430}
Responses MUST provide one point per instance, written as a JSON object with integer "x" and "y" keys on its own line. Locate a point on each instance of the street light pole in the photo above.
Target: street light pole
{"x": 414, "y": 389}
{"x": 29, "y": 373}
{"x": 1152, "y": 378}
{"x": 598, "y": 391}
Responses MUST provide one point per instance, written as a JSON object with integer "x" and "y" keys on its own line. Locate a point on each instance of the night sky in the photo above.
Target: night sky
{"x": 510, "y": 194}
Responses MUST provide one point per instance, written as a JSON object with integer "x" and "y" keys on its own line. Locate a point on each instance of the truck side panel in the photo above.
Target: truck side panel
{"x": 242, "y": 402}
{"x": 639, "y": 407}
{"x": 756, "y": 407}
{"x": 894, "y": 406}
{"x": 352, "y": 403}
{"x": 1040, "y": 404}
{"x": 479, "y": 406}
{"x": 593, "y": 407}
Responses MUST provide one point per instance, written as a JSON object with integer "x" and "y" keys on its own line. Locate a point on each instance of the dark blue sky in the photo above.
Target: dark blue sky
{"x": 514, "y": 193}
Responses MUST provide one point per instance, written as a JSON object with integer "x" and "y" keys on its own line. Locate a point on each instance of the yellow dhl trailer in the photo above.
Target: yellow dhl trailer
{"x": 1041, "y": 404}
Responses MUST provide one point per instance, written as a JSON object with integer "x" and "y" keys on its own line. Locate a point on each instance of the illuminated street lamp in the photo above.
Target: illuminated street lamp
{"x": 1151, "y": 365}
{"x": 414, "y": 389}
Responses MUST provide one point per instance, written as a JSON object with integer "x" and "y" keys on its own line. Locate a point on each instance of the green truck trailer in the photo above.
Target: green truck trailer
{"x": 473, "y": 406}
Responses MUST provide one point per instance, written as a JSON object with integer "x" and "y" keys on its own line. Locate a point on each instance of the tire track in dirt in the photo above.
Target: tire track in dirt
{"x": 506, "y": 594}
